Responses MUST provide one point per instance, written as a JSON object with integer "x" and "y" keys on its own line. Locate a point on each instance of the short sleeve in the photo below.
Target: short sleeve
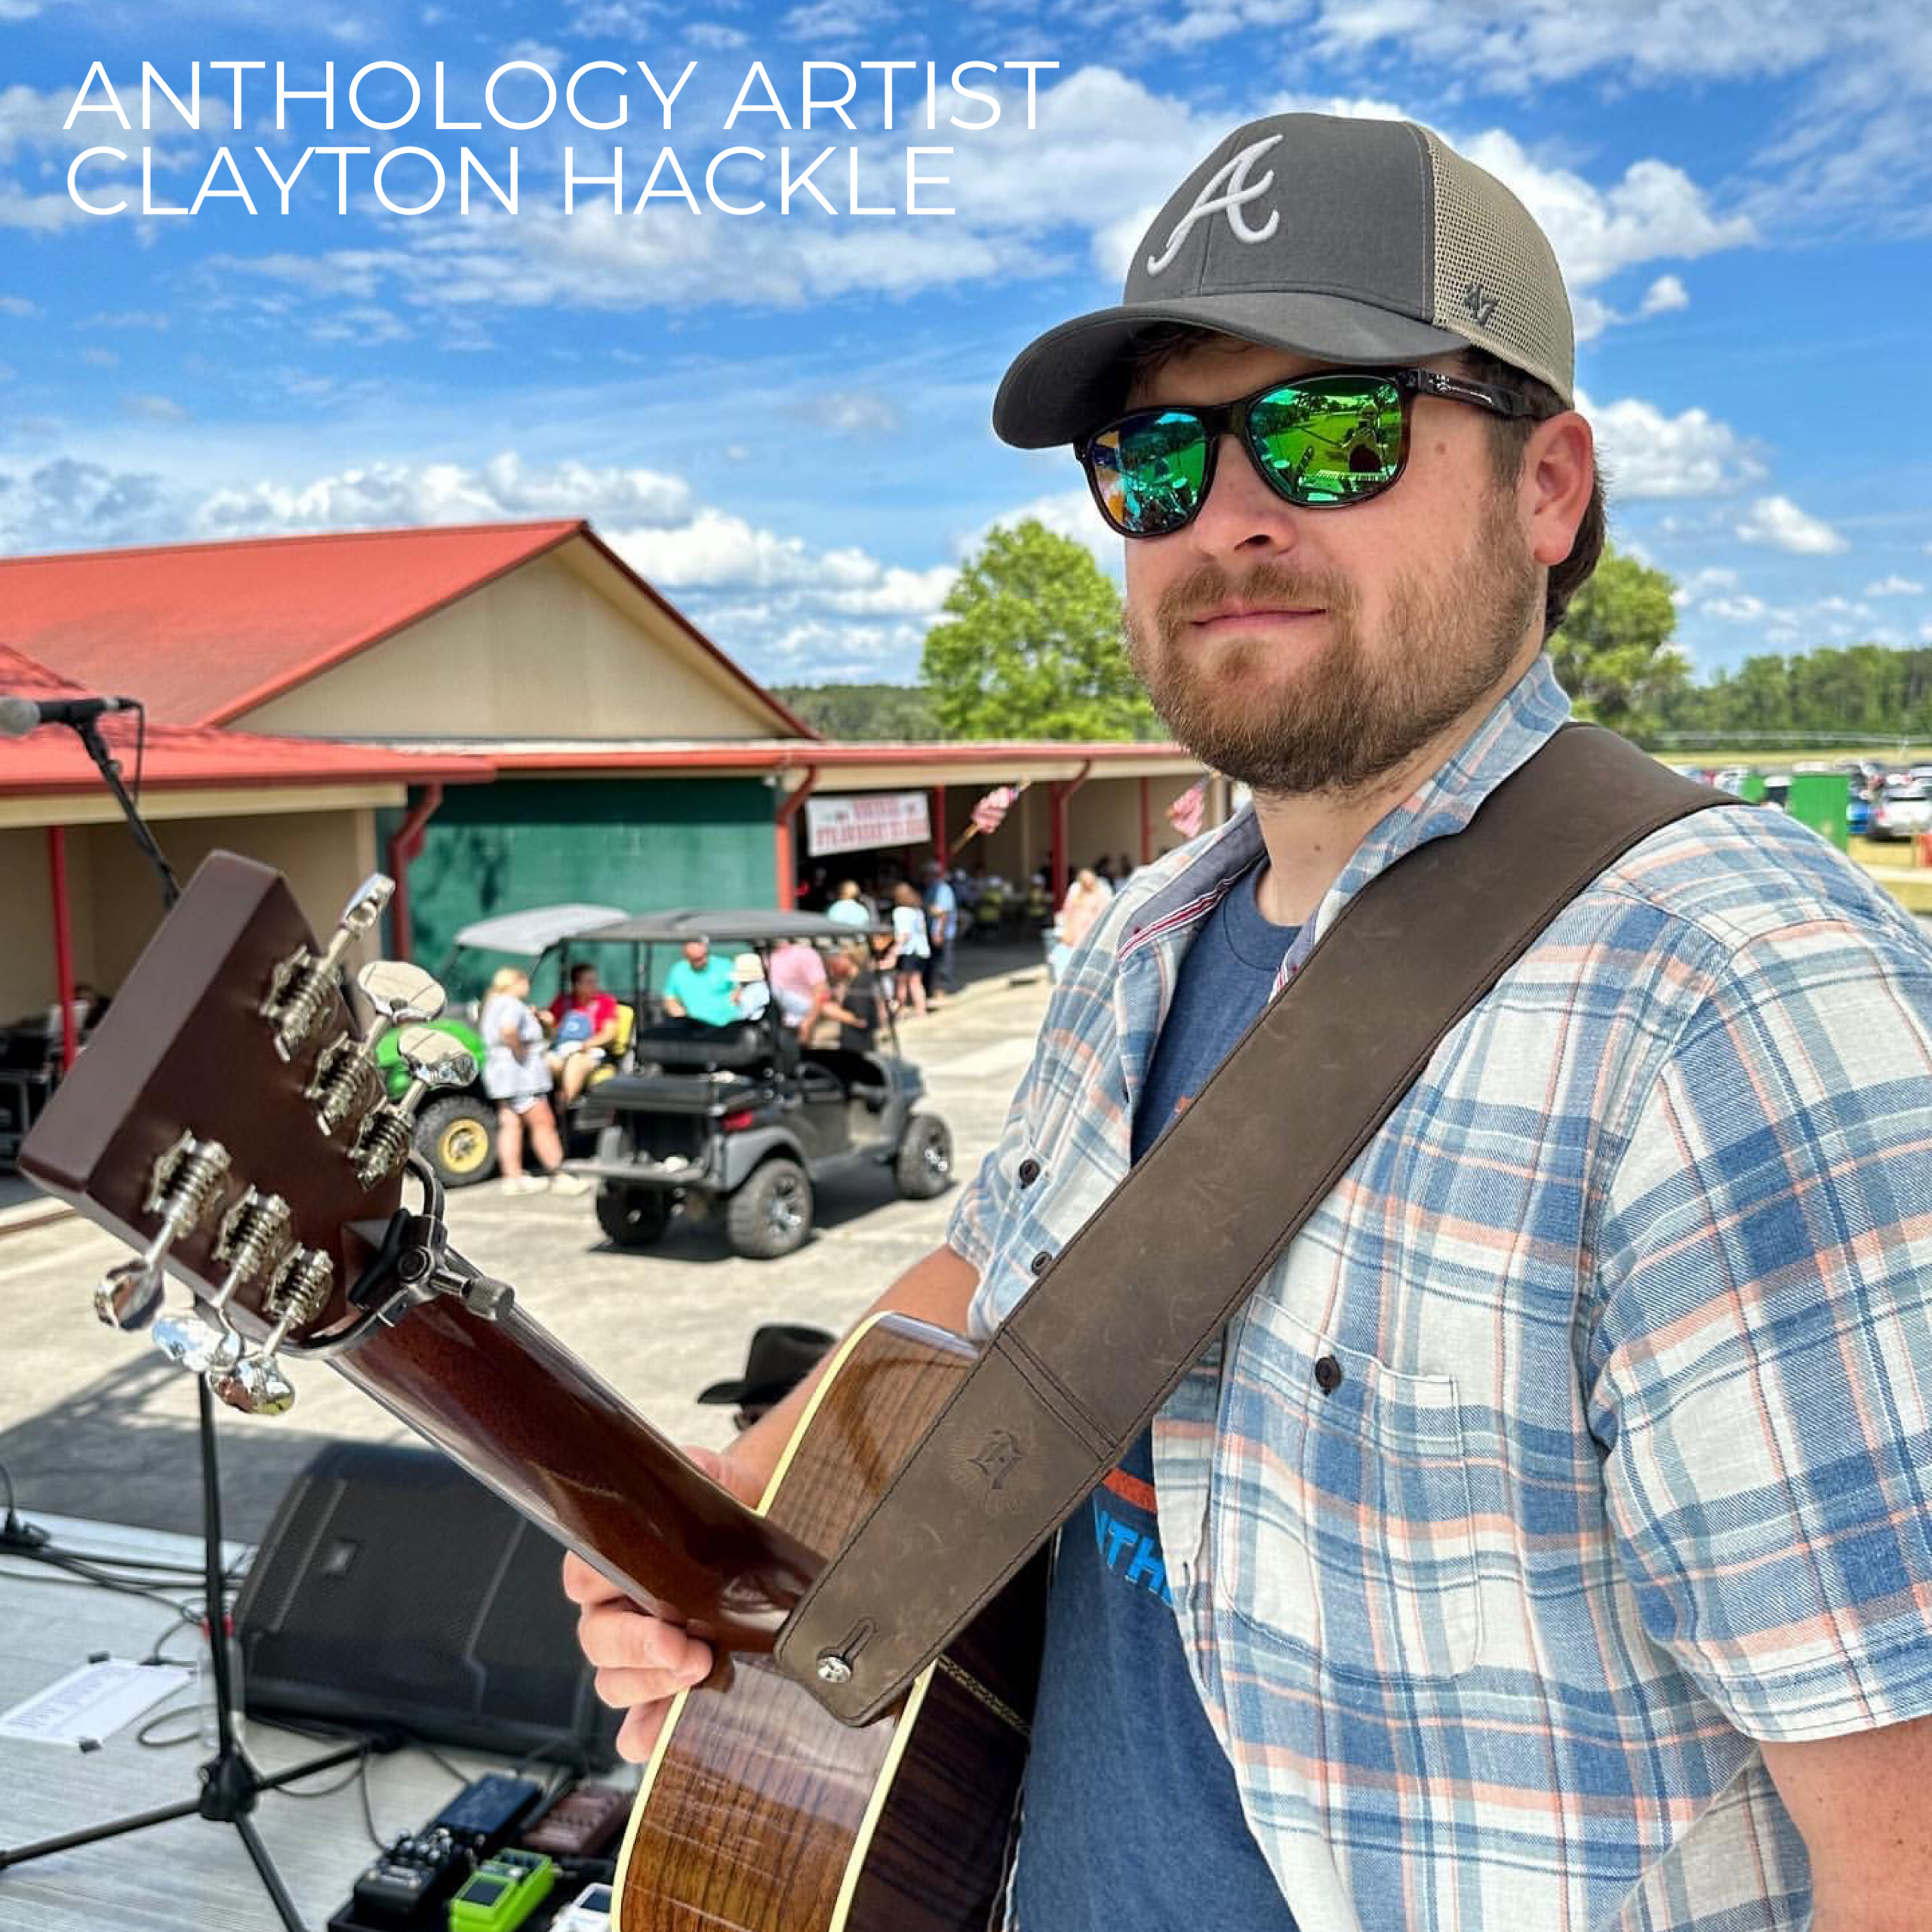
{"x": 1761, "y": 1357}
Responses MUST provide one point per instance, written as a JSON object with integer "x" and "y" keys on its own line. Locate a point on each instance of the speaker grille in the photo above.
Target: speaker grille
{"x": 392, "y": 1588}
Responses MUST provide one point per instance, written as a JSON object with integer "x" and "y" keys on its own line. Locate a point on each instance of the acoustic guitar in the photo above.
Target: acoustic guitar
{"x": 226, "y": 1120}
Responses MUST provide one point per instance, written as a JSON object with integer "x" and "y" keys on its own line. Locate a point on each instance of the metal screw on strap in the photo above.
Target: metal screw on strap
{"x": 832, "y": 1669}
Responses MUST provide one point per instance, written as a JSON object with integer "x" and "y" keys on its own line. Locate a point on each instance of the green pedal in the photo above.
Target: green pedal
{"x": 502, "y": 1892}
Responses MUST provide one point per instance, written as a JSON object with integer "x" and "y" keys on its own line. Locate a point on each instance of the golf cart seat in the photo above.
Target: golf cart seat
{"x": 685, "y": 1045}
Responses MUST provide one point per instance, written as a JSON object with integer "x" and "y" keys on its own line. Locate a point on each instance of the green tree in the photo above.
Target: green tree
{"x": 901, "y": 713}
{"x": 1613, "y": 652}
{"x": 1031, "y": 647}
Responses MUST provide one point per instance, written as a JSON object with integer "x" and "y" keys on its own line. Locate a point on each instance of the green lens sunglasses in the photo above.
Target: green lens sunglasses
{"x": 1322, "y": 441}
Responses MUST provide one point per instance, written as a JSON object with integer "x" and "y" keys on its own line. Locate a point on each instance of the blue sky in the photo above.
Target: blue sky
{"x": 782, "y": 419}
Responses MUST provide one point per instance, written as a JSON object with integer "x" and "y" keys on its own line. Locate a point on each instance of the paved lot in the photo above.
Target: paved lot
{"x": 94, "y": 1424}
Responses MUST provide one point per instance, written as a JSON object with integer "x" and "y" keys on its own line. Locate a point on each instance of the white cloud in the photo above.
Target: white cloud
{"x": 852, "y": 412}
{"x": 100, "y": 359}
{"x": 18, "y": 304}
{"x": 154, "y": 408}
{"x": 1662, "y": 296}
{"x": 1895, "y": 586}
{"x": 1699, "y": 586}
{"x": 1778, "y": 521}
{"x": 395, "y": 494}
{"x": 1743, "y": 609}
{"x": 1648, "y": 454}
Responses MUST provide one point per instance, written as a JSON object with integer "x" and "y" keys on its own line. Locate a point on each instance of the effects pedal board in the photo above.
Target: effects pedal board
{"x": 580, "y": 1824}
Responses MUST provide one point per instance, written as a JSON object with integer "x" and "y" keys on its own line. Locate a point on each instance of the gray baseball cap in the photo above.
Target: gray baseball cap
{"x": 1370, "y": 242}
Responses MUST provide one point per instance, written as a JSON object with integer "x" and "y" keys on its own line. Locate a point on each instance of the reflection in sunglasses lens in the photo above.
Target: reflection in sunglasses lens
{"x": 1328, "y": 442}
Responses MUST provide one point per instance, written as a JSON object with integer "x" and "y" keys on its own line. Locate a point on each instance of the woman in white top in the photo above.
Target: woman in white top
{"x": 517, "y": 1077}
{"x": 909, "y": 943}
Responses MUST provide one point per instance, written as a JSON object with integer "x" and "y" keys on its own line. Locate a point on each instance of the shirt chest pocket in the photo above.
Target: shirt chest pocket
{"x": 1341, "y": 1515}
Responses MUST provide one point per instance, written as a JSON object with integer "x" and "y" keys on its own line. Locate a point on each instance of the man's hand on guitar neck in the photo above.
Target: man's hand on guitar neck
{"x": 643, "y": 1661}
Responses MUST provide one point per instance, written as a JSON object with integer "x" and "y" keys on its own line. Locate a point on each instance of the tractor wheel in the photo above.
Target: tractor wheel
{"x": 457, "y": 1137}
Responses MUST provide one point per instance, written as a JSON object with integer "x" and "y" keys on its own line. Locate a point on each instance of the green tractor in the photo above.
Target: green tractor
{"x": 456, "y": 1132}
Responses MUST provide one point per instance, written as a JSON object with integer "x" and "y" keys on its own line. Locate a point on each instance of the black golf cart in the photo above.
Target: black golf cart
{"x": 743, "y": 1122}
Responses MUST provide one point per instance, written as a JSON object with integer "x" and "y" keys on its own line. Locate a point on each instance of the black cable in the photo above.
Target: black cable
{"x": 141, "y": 746}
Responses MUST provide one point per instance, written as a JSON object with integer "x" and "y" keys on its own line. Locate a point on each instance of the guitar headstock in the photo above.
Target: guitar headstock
{"x": 227, "y": 1122}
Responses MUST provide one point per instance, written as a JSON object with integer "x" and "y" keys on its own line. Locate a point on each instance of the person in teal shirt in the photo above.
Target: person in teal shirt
{"x": 699, "y": 987}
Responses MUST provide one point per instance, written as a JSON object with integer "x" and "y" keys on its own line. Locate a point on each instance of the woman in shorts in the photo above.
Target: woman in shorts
{"x": 516, "y": 1076}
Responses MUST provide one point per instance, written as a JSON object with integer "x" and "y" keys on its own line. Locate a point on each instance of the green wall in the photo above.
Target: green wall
{"x": 645, "y": 845}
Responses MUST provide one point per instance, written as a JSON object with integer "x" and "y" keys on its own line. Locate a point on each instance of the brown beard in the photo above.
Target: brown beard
{"x": 1350, "y": 714}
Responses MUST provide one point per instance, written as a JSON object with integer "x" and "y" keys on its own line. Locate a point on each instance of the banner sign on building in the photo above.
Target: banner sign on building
{"x": 864, "y": 819}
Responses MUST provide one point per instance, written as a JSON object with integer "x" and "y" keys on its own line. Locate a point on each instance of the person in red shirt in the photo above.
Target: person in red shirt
{"x": 584, "y": 1020}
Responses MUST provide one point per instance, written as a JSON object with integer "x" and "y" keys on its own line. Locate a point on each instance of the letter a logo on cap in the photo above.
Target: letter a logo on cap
{"x": 1226, "y": 192}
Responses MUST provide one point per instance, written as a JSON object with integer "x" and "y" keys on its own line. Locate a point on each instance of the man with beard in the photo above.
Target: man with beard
{"x": 1546, "y": 1543}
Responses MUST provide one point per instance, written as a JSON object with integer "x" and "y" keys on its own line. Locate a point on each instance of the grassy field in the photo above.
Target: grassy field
{"x": 1765, "y": 756}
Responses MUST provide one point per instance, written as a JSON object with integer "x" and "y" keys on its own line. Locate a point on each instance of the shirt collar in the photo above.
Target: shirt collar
{"x": 1521, "y": 723}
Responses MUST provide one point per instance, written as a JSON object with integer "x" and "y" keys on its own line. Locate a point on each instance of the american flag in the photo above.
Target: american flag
{"x": 988, "y": 813}
{"x": 1184, "y": 814}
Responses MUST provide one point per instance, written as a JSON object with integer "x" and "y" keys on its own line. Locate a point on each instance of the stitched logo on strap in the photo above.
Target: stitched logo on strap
{"x": 998, "y": 1459}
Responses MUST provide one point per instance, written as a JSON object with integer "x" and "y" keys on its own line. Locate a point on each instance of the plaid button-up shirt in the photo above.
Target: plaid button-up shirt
{"x": 1628, "y": 1463}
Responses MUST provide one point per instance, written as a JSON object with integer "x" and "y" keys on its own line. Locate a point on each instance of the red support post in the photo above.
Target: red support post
{"x": 1146, "y": 822}
{"x": 63, "y": 942}
{"x": 784, "y": 839}
{"x": 942, "y": 851}
{"x": 405, "y": 844}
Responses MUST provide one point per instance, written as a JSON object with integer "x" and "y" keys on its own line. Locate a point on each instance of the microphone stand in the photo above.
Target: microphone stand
{"x": 230, "y": 1783}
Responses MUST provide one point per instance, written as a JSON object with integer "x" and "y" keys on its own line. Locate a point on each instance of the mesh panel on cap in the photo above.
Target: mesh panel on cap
{"x": 1485, "y": 239}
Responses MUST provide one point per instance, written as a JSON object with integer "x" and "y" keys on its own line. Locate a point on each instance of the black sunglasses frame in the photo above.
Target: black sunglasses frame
{"x": 1223, "y": 419}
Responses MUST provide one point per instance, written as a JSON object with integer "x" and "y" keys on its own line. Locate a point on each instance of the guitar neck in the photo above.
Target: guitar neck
{"x": 506, "y": 1399}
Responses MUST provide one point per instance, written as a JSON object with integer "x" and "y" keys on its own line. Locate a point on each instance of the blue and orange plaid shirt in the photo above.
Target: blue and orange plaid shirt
{"x": 1629, "y": 1461}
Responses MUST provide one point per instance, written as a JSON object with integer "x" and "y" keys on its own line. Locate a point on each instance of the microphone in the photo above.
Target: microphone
{"x": 19, "y": 715}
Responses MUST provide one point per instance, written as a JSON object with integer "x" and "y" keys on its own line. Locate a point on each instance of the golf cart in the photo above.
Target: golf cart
{"x": 743, "y": 1122}
{"x": 456, "y": 1132}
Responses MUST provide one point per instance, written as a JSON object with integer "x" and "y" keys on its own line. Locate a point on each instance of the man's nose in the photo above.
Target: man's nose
{"x": 1242, "y": 515}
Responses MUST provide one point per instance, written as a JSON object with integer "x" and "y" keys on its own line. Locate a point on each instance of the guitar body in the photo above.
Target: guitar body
{"x": 758, "y": 1812}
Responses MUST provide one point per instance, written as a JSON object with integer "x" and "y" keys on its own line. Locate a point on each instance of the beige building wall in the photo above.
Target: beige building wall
{"x": 1104, "y": 816}
{"x": 563, "y": 647}
{"x": 114, "y": 900}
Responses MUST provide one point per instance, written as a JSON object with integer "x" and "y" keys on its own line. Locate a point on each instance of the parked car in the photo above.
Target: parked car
{"x": 1902, "y": 810}
{"x": 743, "y": 1123}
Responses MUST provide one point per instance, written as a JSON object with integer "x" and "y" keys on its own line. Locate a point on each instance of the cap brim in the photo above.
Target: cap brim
{"x": 1072, "y": 380}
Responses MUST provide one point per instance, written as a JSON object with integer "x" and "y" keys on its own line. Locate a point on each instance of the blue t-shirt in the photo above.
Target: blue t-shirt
{"x": 1131, "y": 1822}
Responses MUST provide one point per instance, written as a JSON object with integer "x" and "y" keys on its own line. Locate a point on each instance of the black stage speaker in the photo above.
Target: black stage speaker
{"x": 393, "y": 1589}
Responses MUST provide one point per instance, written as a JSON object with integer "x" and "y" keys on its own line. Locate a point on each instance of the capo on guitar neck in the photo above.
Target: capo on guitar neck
{"x": 410, "y": 1262}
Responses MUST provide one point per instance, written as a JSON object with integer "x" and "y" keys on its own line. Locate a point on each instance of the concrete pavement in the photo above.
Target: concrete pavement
{"x": 96, "y": 1424}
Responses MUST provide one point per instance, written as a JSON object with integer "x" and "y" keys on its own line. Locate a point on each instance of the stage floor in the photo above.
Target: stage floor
{"x": 188, "y": 1875}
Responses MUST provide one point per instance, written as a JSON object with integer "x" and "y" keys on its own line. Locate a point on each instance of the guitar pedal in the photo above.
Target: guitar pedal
{"x": 581, "y": 1823}
{"x": 420, "y": 1869}
{"x": 502, "y": 1892}
{"x": 589, "y": 1912}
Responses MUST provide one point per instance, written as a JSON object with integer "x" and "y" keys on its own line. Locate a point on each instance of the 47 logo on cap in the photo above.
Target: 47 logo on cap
{"x": 1226, "y": 192}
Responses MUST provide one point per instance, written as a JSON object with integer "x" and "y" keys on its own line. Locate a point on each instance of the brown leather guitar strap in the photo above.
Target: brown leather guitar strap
{"x": 1117, "y": 1318}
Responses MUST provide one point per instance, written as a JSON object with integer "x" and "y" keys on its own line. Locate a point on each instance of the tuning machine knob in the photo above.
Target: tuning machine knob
{"x": 181, "y": 1186}
{"x": 255, "y": 1237}
{"x": 256, "y": 1384}
{"x": 345, "y": 1080}
{"x": 435, "y": 1060}
{"x": 302, "y": 986}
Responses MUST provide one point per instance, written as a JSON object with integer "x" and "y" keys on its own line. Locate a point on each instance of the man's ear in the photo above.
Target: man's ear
{"x": 1559, "y": 467}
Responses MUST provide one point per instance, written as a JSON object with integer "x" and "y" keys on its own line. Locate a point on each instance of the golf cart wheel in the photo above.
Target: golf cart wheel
{"x": 924, "y": 1166}
{"x": 457, "y": 1137}
{"x": 632, "y": 1216}
{"x": 771, "y": 1214}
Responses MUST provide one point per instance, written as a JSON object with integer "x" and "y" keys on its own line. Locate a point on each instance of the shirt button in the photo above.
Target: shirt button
{"x": 1041, "y": 1262}
{"x": 1327, "y": 1375}
{"x": 1029, "y": 1172}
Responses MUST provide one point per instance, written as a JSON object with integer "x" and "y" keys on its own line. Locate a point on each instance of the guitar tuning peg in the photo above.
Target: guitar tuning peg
{"x": 255, "y": 1238}
{"x": 345, "y": 1079}
{"x": 181, "y": 1186}
{"x": 435, "y": 1060}
{"x": 256, "y": 1384}
{"x": 301, "y": 986}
